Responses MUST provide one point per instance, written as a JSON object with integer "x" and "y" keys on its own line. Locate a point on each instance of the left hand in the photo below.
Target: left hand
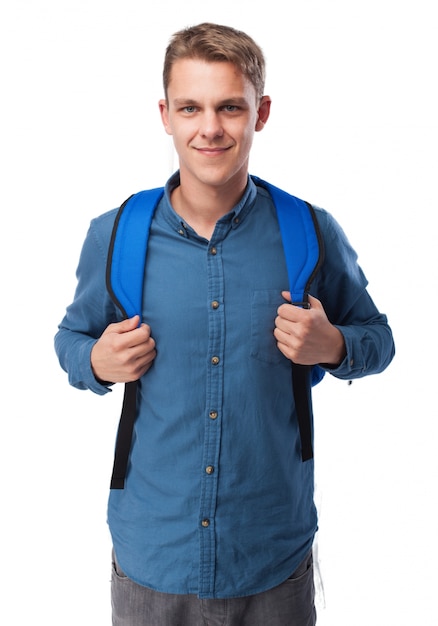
{"x": 305, "y": 336}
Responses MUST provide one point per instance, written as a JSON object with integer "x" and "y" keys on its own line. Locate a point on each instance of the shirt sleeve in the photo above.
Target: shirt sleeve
{"x": 91, "y": 310}
{"x": 341, "y": 286}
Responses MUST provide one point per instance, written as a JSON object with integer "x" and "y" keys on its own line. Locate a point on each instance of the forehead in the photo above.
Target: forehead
{"x": 196, "y": 78}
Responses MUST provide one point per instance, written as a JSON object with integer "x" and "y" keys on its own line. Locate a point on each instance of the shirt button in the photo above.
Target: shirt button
{"x": 205, "y": 523}
{"x": 209, "y": 469}
{"x": 215, "y": 304}
{"x": 212, "y": 415}
{"x": 213, "y": 251}
{"x": 215, "y": 360}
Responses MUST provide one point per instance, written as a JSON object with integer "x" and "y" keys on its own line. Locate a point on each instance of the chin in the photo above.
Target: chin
{"x": 220, "y": 177}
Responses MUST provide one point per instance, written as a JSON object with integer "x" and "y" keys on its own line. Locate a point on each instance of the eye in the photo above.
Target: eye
{"x": 231, "y": 108}
{"x": 189, "y": 109}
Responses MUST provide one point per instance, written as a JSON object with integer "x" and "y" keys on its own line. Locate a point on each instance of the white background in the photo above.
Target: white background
{"x": 353, "y": 128}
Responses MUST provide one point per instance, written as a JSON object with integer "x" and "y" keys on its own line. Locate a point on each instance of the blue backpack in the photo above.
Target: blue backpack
{"x": 303, "y": 251}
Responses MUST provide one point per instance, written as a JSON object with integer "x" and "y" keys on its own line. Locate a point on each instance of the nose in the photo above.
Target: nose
{"x": 211, "y": 125}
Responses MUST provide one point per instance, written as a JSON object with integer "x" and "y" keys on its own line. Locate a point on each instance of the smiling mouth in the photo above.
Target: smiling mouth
{"x": 212, "y": 151}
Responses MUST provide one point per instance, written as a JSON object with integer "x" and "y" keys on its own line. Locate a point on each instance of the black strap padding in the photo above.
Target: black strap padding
{"x": 124, "y": 436}
{"x": 301, "y": 382}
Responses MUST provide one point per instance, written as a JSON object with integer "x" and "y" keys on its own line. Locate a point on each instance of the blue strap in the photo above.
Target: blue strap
{"x": 126, "y": 263}
{"x": 301, "y": 244}
{"x": 303, "y": 252}
{"x": 124, "y": 278}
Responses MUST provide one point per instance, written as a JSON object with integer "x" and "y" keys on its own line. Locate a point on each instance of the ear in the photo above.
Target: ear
{"x": 164, "y": 112}
{"x": 263, "y": 112}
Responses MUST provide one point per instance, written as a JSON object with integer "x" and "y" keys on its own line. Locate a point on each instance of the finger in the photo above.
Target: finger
{"x": 129, "y": 324}
{"x": 290, "y": 312}
{"x": 124, "y": 326}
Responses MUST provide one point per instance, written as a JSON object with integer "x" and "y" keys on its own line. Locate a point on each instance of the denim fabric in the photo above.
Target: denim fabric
{"x": 288, "y": 604}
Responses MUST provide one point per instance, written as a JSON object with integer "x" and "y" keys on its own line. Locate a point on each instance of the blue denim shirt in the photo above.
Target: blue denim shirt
{"x": 217, "y": 500}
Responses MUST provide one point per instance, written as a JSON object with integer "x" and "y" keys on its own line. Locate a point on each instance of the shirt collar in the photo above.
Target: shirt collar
{"x": 235, "y": 216}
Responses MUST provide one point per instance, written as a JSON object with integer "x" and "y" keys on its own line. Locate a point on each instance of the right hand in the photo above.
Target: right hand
{"x": 124, "y": 352}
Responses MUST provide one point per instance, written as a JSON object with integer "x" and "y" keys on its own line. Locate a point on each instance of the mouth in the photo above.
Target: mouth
{"x": 212, "y": 152}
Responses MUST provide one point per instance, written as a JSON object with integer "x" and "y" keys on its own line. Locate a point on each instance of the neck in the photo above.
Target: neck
{"x": 201, "y": 206}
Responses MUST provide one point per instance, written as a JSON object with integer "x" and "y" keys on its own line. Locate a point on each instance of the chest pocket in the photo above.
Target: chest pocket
{"x": 264, "y": 305}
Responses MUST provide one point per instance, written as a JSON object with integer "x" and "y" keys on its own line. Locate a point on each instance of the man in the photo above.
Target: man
{"x": 216, "y": 521}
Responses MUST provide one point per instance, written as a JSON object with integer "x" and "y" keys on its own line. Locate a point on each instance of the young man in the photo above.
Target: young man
{"x": 216, "y": 521}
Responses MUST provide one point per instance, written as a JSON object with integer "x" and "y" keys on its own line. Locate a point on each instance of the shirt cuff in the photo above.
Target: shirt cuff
{"x": 82, "y": 376}
{"x": 353, "y": 364}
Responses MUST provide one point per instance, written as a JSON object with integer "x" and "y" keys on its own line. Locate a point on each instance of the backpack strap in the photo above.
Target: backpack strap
{"x": 303, "y": 250}
{"x": 304, "y": 253}
{"x": 124, "y": 279}
{"x": 126, "y": 263}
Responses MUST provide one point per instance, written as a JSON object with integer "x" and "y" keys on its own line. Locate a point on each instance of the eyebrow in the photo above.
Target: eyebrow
{"x": 236, "y": 101}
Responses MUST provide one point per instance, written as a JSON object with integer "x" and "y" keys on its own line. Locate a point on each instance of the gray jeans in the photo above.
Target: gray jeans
{"x": 289, "y": 604}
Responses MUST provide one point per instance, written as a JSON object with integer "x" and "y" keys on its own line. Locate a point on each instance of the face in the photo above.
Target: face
{"x": 212, "y": 112}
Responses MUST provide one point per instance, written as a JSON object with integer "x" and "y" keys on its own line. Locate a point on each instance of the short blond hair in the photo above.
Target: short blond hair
{"x": 212, "y": 43}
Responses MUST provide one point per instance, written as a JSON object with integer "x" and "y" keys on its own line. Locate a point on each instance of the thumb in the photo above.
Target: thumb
{"x": 314, "y": 302}
{"x": 127, "y": 325}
